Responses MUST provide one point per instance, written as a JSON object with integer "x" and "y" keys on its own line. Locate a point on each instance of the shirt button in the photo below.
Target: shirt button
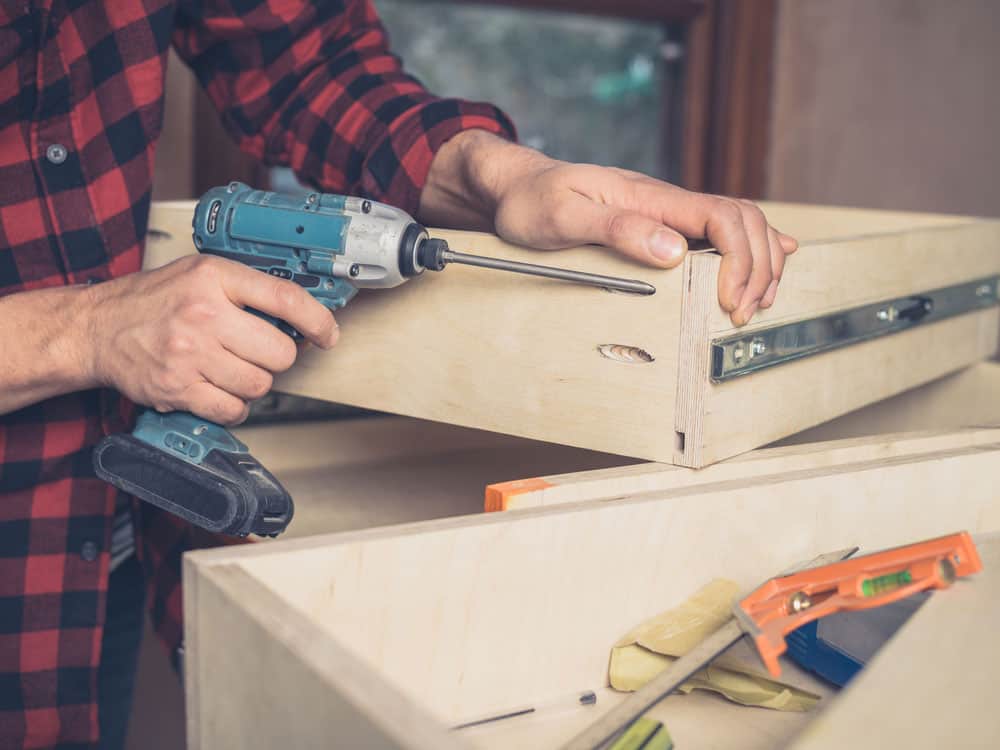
{"x": 88, "y": 551}
{"x": 56, "y": 153}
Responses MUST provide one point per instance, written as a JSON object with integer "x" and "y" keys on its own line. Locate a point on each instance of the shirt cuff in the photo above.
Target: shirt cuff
{"x": 396, "y": 169}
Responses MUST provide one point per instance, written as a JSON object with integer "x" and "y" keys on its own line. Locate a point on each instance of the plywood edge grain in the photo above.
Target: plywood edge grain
{"x": 192, "y": 658}
{"x": 767, "y": 464}
{"x": 699, "y": 296}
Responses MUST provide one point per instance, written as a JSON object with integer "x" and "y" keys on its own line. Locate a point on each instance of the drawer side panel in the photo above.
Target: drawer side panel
{"x": 737, "y": 415}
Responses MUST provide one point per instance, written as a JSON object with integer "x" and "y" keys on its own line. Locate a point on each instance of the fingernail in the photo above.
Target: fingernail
{"x": 732, "y": 303}
{"x": 743, "y": 317}
{"x": 667, "y": 246}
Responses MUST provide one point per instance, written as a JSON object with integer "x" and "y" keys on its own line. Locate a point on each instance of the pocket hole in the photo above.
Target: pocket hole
{"x": 632, "y": 355}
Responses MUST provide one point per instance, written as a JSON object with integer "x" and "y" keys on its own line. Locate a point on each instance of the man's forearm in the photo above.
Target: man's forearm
{"x": 468, "y": 176}
{"x": 43, "y": 337}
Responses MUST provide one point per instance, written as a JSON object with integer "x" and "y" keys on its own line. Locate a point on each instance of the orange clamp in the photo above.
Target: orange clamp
{"x": 783, "y": 604}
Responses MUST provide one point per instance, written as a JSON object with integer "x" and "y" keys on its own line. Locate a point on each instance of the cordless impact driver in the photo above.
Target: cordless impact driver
{"x": 331, "y": 246}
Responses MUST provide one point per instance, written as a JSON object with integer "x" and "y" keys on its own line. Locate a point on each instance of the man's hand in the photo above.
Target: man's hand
{"x": 177, "y": 338}
{"x": 479, "y": 180}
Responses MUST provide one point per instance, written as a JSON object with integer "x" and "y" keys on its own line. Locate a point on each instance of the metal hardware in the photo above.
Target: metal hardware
{"x": 741, "y": 354}
{"x": 632, "y": 286}
{"x": 799, "y": 602}
{"x": 56, "y": 153}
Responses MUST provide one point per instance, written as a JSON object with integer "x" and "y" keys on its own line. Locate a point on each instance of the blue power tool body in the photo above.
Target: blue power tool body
{"x": 330, "y": 245}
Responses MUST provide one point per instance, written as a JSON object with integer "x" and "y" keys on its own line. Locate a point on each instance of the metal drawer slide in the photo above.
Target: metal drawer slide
{"x": 742, "y": 354}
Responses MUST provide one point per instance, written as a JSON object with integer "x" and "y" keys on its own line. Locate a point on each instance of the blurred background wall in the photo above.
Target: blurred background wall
{"x": 889, "y": 104}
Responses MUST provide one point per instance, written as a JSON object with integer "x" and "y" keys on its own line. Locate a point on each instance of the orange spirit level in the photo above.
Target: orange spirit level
{"x": 785, "y": 603}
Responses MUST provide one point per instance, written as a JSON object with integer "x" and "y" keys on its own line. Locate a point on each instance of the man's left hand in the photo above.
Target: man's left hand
{"x": 481, "y": 181}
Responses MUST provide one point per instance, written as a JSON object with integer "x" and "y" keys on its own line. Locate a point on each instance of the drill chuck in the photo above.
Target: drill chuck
{"x": 433, "y": 254}
{"x": 415, "y": 255}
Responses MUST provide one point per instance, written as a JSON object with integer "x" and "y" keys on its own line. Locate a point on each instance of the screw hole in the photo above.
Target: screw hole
{"x": 628, "y": 354}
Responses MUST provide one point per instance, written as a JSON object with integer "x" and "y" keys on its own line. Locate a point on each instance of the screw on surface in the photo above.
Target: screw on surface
{"x": 799, "y": 602}
{"x": 887, "y": 313}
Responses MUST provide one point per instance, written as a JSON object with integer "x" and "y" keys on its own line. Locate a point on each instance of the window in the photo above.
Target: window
{"x": 578, "y": 87}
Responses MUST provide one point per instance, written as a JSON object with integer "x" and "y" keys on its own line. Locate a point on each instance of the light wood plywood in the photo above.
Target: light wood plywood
{"x": 760, "y": 465}
{"x": 496, "y": 351}
{"x": 968, "y": 398}
{"x": 527, "y": 356}
{"x": 466, "y": 616}
{"x": 259, "y": 679}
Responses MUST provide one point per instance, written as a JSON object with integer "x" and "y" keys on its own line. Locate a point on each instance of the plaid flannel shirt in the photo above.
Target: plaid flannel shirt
{"x": 306, "y": 84}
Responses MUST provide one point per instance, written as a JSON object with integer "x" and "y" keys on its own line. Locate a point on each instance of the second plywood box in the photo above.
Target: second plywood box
{"x": 634, "y": 375}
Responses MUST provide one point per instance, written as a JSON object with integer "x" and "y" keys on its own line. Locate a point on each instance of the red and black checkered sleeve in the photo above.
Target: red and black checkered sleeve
{"x": 313, "y": 86}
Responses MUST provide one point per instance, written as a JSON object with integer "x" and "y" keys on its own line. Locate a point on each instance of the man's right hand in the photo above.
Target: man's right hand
{"x": 178, "y": 338}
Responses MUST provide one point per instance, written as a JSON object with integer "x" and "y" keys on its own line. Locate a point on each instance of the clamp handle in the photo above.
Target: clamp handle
{"x": 785, "y": 603}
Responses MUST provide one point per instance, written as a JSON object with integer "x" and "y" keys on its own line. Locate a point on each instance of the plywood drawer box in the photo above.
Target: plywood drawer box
{"x": 632, "y": 375}
{"x": 360, "y": 473}
{"x": 384, "y": 638}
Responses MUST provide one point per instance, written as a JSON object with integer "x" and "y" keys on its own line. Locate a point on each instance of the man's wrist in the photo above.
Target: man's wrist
{"x": 469, "y": 176}
{"x": 46, "y": 345}
{"x": 71, "y": 344}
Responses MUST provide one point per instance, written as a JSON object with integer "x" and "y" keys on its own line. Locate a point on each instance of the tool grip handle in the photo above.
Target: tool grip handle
{"x": 278, "y": 323}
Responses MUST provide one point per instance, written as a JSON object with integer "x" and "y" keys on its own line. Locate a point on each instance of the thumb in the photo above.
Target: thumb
{"x": 638, "y": 236}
